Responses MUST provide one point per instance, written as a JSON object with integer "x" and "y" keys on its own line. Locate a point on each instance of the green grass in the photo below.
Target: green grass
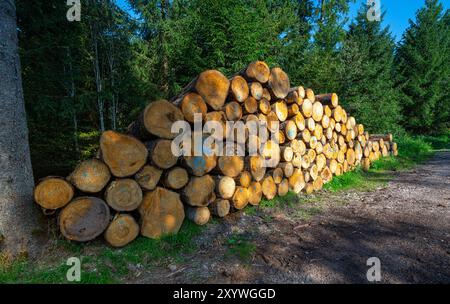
{"x": 240, "y": 246}
{"x": 105, "y": 265}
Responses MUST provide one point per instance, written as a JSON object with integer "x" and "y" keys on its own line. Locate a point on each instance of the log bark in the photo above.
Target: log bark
{"x": 292, "y": 97}
{"x": 19, "y": 218}
{"x": 330, "y": 99}
{"x": 162, "y": 213}
{"x": 123, "y": 194}
{"x": 123, "y": 154}
{"x": 90, "y": 176}
{"x": 53, "y": 192}
{"x": 122, "y": 230}
{"x": 377, "y": 137}
{"x": 84, "y": 218}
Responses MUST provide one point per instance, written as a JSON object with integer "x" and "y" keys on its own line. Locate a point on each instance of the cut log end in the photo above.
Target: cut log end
{"x": 123, "y": 154}
{"x": 213, "y": 86}
{"x": 162, "y": 213}
{"x": 279, "y": 83}
{"x": 53, "y": 193}
{"x": 123, "y": 194}
{"x": 84, "y": 218}
{"x": 122, "y": 230}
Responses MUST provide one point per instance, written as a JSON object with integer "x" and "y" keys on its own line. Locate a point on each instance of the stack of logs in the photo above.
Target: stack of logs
{"x": 136, "y": 184}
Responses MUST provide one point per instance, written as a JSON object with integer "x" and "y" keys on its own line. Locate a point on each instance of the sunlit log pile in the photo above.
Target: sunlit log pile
{"x": 137, "y": 185}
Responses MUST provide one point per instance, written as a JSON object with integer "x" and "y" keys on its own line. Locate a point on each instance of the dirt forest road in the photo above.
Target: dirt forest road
{"x": 405, "y": 223}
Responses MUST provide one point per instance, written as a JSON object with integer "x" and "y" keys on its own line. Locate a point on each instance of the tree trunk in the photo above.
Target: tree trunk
{"x": 18, "y": 216}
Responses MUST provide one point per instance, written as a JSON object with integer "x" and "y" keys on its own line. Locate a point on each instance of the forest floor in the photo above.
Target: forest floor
{"x": 398, "y": 212}
{"x": 327, "y": 238}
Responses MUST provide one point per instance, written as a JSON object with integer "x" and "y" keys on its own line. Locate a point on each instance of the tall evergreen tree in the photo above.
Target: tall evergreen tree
{"x": 367, "y": 87}
{"x": 329, "y": 33}
{"x": 423, "y": 70}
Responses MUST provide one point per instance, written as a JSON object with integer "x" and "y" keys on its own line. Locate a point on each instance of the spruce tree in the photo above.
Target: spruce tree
{"x": 367, "y": 86}
{"x": 322, "y": 63}
{"x": 422, "y": 69}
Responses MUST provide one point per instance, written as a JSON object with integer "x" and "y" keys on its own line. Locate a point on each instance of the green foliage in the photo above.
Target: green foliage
{"x": 423, "y": 70}
{"x": 367, "y": 87}
{"x": 170, "y": 42}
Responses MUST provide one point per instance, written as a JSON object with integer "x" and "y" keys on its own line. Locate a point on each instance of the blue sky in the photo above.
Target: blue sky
{"x": 398, "y": 12}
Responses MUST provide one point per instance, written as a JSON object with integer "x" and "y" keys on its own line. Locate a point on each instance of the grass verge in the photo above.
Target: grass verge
{"x": 100, "y": 263}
